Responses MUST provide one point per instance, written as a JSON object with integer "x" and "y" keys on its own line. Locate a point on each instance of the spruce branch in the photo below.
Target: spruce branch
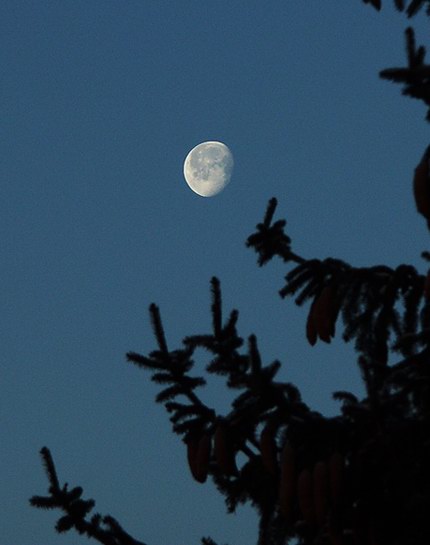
{"x": 105, "y": 530}
{"x": 171, "y": 369}
{"x": 367, "y": 298}
{"x": 416, "y": 77}
{"x": 270, "y": 239}
{"x": 260, "y": 398}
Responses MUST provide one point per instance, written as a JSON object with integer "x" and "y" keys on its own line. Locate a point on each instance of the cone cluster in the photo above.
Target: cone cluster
{"x": 218, "y": 446}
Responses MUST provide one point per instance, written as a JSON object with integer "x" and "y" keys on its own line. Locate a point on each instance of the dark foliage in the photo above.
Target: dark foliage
{"x": 360, "y": 478}
{"x": 381, "y": 470}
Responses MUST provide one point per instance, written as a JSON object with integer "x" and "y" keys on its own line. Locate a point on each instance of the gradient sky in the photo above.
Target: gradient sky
{"x": 101, "y": 101}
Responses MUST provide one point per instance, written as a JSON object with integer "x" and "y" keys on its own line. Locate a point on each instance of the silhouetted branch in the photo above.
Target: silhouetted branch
{"x": 105, "y": 529}
{"x": 416, "y": 77}
{"x": 270, "y": 240}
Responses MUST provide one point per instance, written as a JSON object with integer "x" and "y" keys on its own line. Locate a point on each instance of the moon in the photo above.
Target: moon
{"x": 208, "y": 168}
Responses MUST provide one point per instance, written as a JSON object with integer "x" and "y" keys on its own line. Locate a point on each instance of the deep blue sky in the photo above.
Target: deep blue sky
{"x": 100, "y": 103}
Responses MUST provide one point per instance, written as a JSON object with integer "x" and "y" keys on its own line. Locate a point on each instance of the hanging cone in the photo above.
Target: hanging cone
{"x": 322, "y": 316}
{"x": 336, "y": 469}
{"x": 225, "y": 454}
{"x": 311, "y": 328}
{"x": 287, "y": 483}
{"x": 305, "y": 496}
{"x": 198, "y": 455}
{"x": 268, "y": 448}
{"x": 320, "y": 487}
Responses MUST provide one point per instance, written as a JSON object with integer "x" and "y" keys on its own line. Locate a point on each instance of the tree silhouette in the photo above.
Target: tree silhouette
{"x": 359, "y": 478}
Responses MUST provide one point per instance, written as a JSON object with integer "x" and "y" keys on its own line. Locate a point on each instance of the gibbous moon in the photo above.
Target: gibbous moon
{"x": 208, "y": 168}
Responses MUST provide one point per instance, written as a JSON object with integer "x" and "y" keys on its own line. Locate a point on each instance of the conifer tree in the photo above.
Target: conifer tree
{"x": 359, "y": 478}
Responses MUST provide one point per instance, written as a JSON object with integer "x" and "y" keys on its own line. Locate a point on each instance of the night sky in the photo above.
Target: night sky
{"x": 100, "y": 103}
